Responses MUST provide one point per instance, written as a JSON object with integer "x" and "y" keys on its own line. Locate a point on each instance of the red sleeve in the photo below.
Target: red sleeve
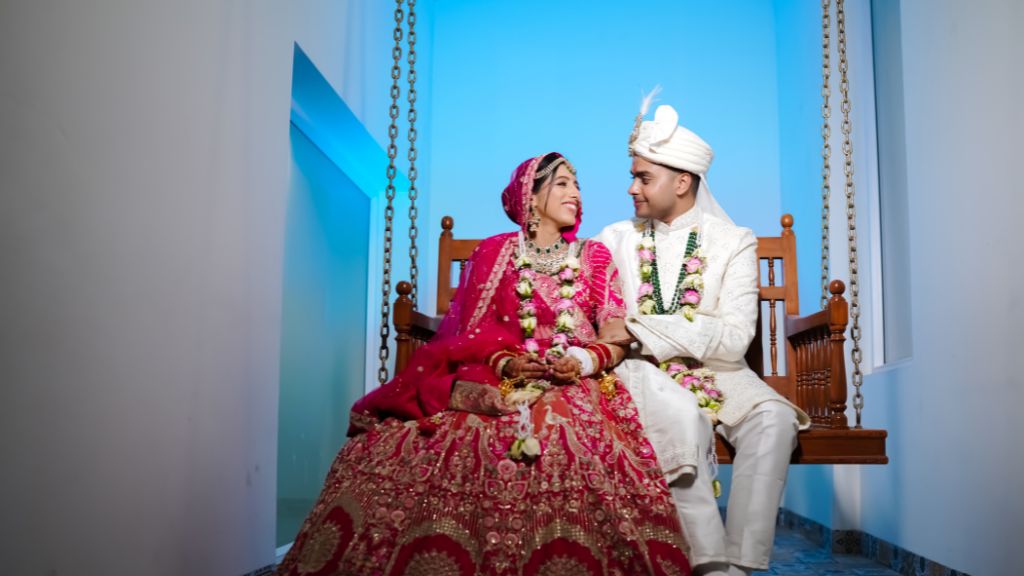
{"x": 605, "y": 288}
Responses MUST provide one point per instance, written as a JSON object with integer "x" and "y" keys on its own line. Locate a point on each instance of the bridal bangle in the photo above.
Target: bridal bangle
{"x": 498, "y": 360}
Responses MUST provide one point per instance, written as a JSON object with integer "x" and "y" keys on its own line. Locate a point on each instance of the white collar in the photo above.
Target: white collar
{"x": 684, "y": 221}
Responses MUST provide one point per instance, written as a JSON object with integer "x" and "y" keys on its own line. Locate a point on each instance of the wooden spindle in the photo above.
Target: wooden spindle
{"x": 444, "y": 270}
{"x": 773, "y": 338}
{"x": 800, "y": 350}
{"x": 823, "y": 377}
{"x": 402, "y": 315}
{"x": 837, "y": 327}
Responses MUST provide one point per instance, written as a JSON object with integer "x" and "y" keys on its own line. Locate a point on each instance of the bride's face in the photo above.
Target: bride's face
{"x": 559, "y": 200}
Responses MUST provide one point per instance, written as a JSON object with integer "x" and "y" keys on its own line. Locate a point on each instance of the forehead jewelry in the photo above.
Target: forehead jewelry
{"x": 551, "y": 168}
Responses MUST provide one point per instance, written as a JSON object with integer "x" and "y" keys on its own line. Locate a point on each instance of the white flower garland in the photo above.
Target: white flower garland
{"x": 565, "y": 323}
{"x": 526, "y": 444}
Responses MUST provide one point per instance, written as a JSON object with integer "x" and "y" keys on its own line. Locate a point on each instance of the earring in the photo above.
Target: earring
{"x": 532, "y": 224}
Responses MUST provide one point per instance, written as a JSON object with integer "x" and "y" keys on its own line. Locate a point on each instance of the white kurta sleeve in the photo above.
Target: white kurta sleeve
{"x": 723, "y": 334}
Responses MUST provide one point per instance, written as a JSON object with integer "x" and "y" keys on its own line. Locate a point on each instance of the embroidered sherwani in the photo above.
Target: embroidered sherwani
{"x": 718, "y": 337}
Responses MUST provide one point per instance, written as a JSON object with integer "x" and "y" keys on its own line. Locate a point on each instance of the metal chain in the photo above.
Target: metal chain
{"x": 413, "y": 192}
{"x": 826, "y": 147}
{"x": 389, "y": 210}
{"x": 851, "y": 214}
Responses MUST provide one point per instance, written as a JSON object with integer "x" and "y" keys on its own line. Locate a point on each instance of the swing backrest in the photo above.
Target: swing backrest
{"x": 802, "y": 357}
{"x": 778, "y": 288}
{"x": 777, "y": 281}
{"x": 450, "y": 251}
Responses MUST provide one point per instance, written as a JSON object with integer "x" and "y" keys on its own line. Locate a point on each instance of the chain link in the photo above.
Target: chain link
{"x": 826, "y": 147}
{"x": 389, "y": 210}
{"x": 851, "y": 215}
{"x": 413, "y": 192}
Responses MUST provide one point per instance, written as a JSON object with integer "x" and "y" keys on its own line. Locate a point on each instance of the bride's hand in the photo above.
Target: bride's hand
{"x": 524, "y": 366}
{"x": 566, "y": 370}
{"x": 614, "y": 331}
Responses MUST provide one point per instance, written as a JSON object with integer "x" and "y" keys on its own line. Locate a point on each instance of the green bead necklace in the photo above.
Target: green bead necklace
{"x": 677, "y": 300}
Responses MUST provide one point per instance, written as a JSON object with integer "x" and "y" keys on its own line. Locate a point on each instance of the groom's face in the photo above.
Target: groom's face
{"x": 658, "y": 192}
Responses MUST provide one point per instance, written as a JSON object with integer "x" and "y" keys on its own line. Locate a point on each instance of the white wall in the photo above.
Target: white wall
{"x": 143, "y": 177}
{"x": 950, "y": 491}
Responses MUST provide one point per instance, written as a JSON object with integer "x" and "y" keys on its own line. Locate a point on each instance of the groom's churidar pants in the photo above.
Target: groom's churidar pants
{"x": 764, "y": 441}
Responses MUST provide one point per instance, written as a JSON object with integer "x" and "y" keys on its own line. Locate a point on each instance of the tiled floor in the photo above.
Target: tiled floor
{"x": 794, "y": 555}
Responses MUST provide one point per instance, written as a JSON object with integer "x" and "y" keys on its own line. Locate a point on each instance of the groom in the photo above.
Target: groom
{"x": 690, "y": 281}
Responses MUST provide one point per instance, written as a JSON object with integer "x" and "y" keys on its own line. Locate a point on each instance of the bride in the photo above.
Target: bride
{"x": 507, "y": 446}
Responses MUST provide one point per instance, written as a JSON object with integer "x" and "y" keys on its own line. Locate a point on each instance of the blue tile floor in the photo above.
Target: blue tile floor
{"x": 795, "y": 555}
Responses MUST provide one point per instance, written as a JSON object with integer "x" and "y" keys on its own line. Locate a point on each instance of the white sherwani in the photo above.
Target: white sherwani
{"x": 719, "y": 337}
{"x": 726, "y": 317}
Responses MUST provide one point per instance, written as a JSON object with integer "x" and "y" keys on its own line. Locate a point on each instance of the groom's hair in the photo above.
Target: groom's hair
{"x": 694, "y": 177}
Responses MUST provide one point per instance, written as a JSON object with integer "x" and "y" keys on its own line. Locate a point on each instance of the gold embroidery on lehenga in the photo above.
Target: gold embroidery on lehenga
{"x": 320, "y": 548}
{"x": 561, "y": 566}
{"x": 668, "y": 568}
{"x": 432, "y": 563}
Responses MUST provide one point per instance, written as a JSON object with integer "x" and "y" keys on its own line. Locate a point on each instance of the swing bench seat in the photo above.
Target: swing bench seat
{"x": 814, "y": 375}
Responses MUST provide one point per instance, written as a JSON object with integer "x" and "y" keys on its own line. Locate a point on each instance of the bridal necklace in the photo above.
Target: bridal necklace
{"x": 546, "y": 260}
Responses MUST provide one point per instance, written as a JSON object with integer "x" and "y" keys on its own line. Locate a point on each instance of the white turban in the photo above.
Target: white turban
{"x": 664, "y": 141}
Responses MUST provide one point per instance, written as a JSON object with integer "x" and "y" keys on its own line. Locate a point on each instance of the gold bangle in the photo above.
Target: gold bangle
{"x": 607, "y": 384}
{"x": 508, "y": 385}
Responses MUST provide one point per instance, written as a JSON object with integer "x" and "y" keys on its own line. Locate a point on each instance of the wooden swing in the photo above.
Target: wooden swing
{"x": 814, "y": 377}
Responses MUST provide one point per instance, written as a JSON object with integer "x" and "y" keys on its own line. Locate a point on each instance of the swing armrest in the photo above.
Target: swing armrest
{"x": 819, "y": 363}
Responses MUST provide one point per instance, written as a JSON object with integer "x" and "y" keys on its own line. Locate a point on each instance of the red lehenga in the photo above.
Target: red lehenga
{"x": 423, "y": 489}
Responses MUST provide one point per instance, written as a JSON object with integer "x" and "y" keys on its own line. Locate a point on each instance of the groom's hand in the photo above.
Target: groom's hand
{"x": 614, "y": 332}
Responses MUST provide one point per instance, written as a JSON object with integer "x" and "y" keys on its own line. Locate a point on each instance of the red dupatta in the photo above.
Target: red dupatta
{"x": 469, "y": 334}
{"x": 471, "y": 331}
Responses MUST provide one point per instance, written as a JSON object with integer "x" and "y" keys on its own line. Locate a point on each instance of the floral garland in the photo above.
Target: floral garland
{"x": 701, "y": 381}
{"x": 691, "y": 375}
{"x": 689, "y": 288}
{"x": 688, "y": 295}
{"x": 526, "y": 444}
{"x": 687, "y": 372}
{"x": 565, "y": 324}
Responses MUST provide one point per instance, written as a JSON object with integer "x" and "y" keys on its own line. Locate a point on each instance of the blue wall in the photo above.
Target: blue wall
{"x": 512, "y": 80}
{"x": 324, "y": 288}
{"x": 322, "y": 356}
